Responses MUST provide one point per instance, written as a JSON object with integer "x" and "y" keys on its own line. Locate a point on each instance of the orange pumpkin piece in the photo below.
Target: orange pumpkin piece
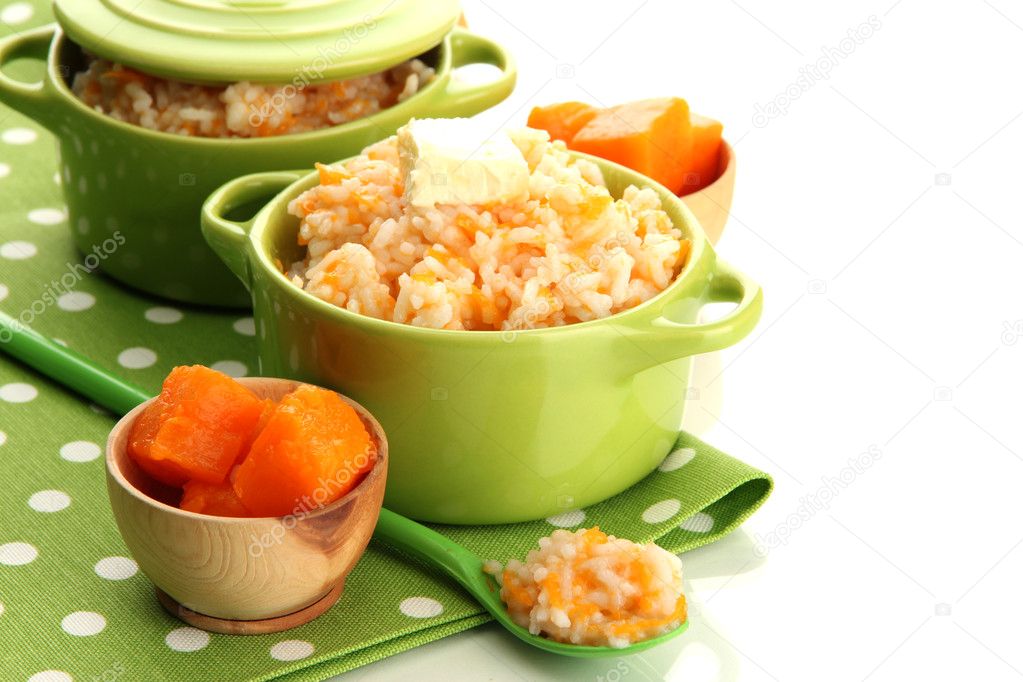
{"x": 267, "y": 409}
{"x": 312, "y": 451}
{"x": 701, "y": 166}
{"x": 197, "y": 428}
{"x": 562, "y": 120}
{"x": 650, "y": 136}
{"x": 143, "y": 433}
{"x": 216, "y": 499}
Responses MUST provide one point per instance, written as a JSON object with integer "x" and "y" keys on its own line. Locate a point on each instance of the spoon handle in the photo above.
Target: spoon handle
{"x": 68, "y": 367}
{"x": 432, "y": 548}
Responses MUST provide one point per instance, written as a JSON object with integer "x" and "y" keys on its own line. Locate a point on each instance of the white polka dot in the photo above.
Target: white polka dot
{"x": 46, "y": 216}
{"x": 18, "y": 250}
{"x": 19, "y": 136}
{"x": 18, "y": 393}
{"x": 245, "y": 326}
{"x": 567, "y": 519}
{"x": 61, "y": 342}
{"x": 116, "y": 568}
{"x": 231, "y": 368}
{"x": 79, "y": 451}
{"x": 1, "y": 609}
{"x": 187, "y": 639}
{"x": 49, "y": 501}
{"x": 17, "y": 553}
{"x": 75, "y": 301}
{"x": 51, "y": 676}
{"x": 291, "y": 650}
{"x": 421, "y": 607}
{"x": 83, "y": 225}
{"x": 16, "y": 13}
{"x": 136, "y": 358}
{"x": 661, "y": 511}
{"x": 698, "y": 523}
{"x": 4, "y": 291}
{"x": 5, "y": 170}
{"x": 56, "y": 177}
{"x": 677, "y": 459}
{"x": 83, "y": 185}
{"x": 83, "y": 623}
{"x": 162, "y": 315}
{"x": 3, "y": 437}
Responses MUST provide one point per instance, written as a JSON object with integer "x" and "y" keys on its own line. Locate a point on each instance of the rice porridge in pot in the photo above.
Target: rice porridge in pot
{"x": 242, "y": 109}
{"x": 557, "y": 250}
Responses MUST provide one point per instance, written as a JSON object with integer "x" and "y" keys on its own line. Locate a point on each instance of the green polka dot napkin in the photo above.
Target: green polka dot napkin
{"x": 72, "y": 602}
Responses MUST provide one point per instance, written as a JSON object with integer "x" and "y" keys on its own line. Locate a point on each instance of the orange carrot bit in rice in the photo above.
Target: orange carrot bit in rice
{"x": 470, "y": 227}
{"x": 486, "y": 309}
{"x": 594, "y": 536}
{"x": 517, "y": 594}
{"x": 425, "y": 277}
{"x": 124, "y": 75}
{"x": 439, "y": 252}
{"x": 685, "y": 247}
{"x": 331, "y": 175}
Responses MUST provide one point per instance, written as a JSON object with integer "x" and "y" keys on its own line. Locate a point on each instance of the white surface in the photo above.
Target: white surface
{"x": 911, "y": 572}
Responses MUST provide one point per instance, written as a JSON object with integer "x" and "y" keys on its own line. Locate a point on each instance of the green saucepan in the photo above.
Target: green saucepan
{"x": 490, "y": 427}
{"x": 145, "y": 188}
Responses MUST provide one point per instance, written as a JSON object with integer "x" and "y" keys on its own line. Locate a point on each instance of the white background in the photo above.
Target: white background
{"x": 881, "y": 213}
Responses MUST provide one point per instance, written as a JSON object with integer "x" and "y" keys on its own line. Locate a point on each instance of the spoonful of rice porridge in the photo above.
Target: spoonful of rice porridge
{"x": 582, "y": 593}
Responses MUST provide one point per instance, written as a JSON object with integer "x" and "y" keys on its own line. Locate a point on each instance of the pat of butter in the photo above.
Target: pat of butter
{"x": 454, "y": 161}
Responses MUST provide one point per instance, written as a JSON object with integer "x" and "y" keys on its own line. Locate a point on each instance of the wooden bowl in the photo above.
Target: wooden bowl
{"x": 243, "y": 575}
{"x": 712, "y": 203}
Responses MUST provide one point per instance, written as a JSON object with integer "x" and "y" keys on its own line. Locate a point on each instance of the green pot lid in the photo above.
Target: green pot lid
{"x": 268, "y": 41}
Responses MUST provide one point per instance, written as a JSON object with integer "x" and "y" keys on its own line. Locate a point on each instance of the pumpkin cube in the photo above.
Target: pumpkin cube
{"x": 313, "y": 450}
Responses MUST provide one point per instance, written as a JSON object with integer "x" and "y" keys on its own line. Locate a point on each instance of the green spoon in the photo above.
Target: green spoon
{"x": 411, "y": 538}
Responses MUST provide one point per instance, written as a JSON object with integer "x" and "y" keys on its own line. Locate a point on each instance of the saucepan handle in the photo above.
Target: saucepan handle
{"x": 664, "y": 339}
{"x": 35, "y": 100}
{"x": 228, "y": 237}
{"x": 466, "y": 99}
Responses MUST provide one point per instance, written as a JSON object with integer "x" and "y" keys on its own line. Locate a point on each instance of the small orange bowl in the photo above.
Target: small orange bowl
{"x": 711, "y": 204}
{"x": 243, "y": 575}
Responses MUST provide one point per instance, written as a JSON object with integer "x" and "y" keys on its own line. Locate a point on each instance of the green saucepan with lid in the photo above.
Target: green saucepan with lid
{"x": 144, "y": 188}
{"x": 490, "y": 427}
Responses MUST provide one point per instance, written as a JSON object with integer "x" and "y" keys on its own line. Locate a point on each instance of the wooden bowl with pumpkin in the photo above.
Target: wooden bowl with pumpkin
{"x": 242, "y": 574}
